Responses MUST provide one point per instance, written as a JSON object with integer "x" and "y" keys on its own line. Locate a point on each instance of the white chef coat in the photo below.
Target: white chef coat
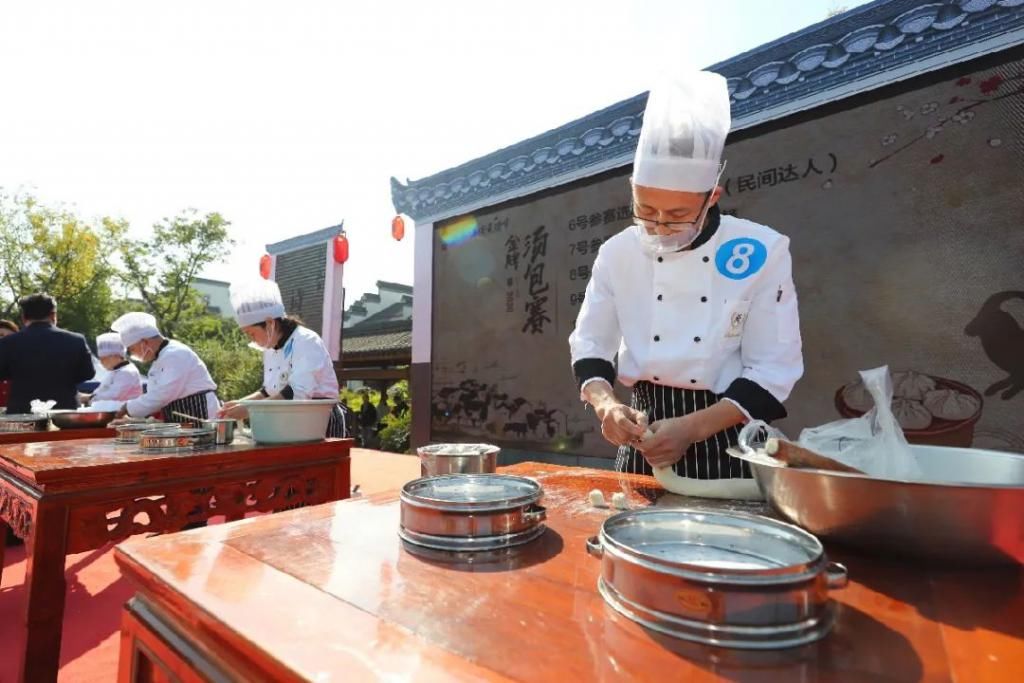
{"x": 695, "y": 319}
{"x": 120, "y": 384}
{"x": 304, "y": 364}
{"x": 176, "y": 373}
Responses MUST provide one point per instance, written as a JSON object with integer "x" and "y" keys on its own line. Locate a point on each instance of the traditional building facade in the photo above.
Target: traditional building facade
{"x": 886, "y": 142}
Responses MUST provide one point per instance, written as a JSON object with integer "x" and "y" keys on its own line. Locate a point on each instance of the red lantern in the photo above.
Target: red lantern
{"x": 265, "y": 265}
{"x": 398, "y": 228}
{"x": 340, "y": 248}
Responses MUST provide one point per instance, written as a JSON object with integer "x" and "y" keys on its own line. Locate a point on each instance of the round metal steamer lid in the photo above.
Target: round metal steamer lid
{"x": 457, "y": 450}
{"x": 471, "y": 492}
{"x": 709, "y": 546}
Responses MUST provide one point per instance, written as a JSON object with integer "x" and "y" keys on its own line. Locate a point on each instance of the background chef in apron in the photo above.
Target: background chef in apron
{"x": 178, "y": 381}
{"x": 296, "y": 363}
{"x": 700, "y": 308}
{"x": 122, "y": 381}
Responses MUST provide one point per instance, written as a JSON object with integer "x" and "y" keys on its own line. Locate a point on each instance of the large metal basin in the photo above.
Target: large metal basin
{"x": 969, "y": 509}
{"x": 78, "y": 419}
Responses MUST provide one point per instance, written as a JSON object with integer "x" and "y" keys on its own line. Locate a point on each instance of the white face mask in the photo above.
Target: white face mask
{"x": 141, "y": 357}
{"x": 269, "y": 331}
{"x": 656, "y": 245}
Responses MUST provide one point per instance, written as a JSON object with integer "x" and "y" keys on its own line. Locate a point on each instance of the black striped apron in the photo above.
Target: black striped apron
{"x": 702, "y": 460}
{"x": 336, "y": 427}
{"x": 194, "y": 405}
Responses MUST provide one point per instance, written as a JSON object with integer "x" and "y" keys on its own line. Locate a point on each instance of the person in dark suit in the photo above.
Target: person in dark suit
{"x": 43, "y": 361}
{"x": 7, "y": 328}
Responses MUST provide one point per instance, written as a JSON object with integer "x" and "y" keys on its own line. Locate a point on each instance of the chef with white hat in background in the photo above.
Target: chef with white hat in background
{"x": 296, "y": 362}
{"x": 178, "y": 381}
{"x": 122, "y": 381}
{"x": 699, "y": 307}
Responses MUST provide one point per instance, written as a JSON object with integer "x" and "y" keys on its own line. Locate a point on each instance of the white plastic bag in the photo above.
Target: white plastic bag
{"x": 873, "y": 443}
{"x": 41, "y": 407}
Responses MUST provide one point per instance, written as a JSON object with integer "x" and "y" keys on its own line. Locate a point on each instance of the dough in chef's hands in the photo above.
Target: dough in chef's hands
{"x": 735, "y": 489}
{"x": 950, "y": 404}
{"x": 910, "y": 384}
{"x": 911, "y": 414}
{"x": 732, "y": 489}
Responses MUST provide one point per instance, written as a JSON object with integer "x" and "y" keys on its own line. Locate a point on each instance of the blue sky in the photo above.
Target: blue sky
{"x": 288, "y": 117}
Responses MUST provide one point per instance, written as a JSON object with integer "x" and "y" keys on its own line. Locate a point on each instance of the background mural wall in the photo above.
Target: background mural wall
{"x": 905, "y": 216}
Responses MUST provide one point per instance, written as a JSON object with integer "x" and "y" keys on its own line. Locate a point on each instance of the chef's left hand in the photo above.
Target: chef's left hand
{"x": 233, "y": 410}
{"x": 670, "y": 440}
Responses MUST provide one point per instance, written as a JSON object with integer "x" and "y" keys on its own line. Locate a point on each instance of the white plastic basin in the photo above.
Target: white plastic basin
{"x": 280, "y": 421}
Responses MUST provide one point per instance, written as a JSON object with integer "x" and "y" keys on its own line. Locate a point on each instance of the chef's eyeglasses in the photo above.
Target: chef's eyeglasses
{"x": 672, "y": 225}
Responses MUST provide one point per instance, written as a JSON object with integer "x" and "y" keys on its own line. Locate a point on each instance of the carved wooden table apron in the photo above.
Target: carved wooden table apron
{"x": 328, "y": 593}
{"x": 67, "y": 497}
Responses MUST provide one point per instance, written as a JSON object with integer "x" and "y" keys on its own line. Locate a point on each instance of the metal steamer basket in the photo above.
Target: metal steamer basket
{"x": 133, "y": 431}
{"x": 177, "y": 439}
{"x": 24, "y": 423}
{"x": 725, "y": 579}
{"x": 468, "y": 513}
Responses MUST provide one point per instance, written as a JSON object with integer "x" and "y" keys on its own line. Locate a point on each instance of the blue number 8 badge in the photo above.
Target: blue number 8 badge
{"x": 740, "y": 258}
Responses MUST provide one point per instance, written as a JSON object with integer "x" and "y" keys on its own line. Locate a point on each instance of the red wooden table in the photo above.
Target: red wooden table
{"x": 7, "y": 438}
{"x": 67, "y": 497}
{"x": 330, "y": 594}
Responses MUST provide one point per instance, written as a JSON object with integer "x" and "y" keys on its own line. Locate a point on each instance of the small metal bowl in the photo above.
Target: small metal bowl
{"x": 224, "y": 430}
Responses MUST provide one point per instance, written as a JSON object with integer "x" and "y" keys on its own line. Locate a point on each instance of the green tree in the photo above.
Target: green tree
{"x": 161, "y": 269}
{"x": 50, "y": 249}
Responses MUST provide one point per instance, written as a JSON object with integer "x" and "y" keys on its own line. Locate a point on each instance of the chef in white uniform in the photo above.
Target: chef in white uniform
{"x": 296, "y": 363}
{"x": 178, "y": 381}
{"x": 122, "y": 381}
{"x": 699, "y": 307}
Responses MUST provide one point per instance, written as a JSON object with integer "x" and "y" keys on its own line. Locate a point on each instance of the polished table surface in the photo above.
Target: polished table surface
{"x": 329, "y": 594}
{"x": 69, "y": 496}
{"x": 56, "y": 435}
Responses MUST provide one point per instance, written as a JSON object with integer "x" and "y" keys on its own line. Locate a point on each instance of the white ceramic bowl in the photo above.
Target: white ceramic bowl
{"x": 289, "y": 421}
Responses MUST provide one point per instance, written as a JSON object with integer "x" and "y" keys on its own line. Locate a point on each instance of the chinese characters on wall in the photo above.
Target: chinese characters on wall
{"x": 779, "y": 175}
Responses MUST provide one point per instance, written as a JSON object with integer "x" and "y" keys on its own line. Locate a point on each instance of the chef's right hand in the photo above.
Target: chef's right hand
{"x": 620, "y": 424}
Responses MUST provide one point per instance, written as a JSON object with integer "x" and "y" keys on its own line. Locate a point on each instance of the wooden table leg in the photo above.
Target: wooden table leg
{"x": 45, "y": 588}
{"x": 4, "y": 531}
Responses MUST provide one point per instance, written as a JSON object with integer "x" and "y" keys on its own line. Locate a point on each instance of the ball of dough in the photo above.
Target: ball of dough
{"x": 858, "y": 397}
{"x": 910, "y": 384}
{"x": 619, "y": 501}
{"x": 911, "y": 414}
{"x": 949, "y": 404}
{"x": 597, "y": 499}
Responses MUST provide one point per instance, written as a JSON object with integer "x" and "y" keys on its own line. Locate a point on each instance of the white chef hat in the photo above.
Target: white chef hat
{"x": 685, "y": 124}
{"x": 109, "y": 344}
{"x": 134, "y": 327}
{"x": 255, "y": 301}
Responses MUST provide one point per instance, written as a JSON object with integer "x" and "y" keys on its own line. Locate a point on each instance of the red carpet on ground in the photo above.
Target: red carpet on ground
{"x": 92, "y": 615}
{"x": 96, "y": 592}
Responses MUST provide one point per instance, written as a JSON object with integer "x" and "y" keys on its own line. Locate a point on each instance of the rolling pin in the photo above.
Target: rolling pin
{"x": 799, "y": 457}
